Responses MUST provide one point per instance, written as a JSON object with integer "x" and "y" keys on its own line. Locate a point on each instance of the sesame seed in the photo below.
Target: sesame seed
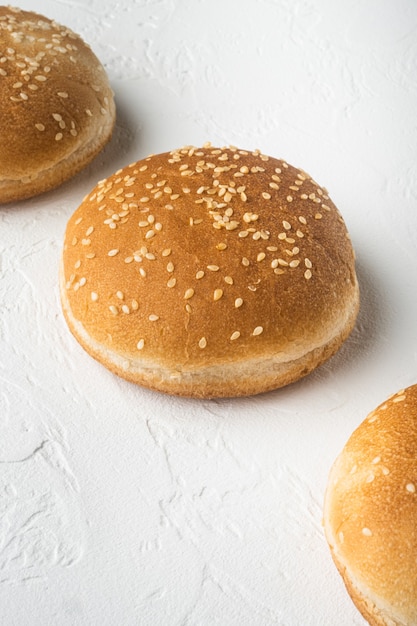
{"x": 228, "y": 280}
{"x": 113, "y": 252}
{"x": 258, "y": 331}
{"x": 140, "y": 344}
{"x": 238, "y": 302}
{"x": 213, "y": 268}
{"x": 235, "y": 335}
{"x": 172, "y": 282}
{"x": 170, "y": 267}
{"x": 94, "y": 296}
{"x": 166, "y": 252}
{"x": 153, "y": 318}
{"x": 367, "y": 532}
{"x": 188, "y": 294}
{"x": 199, "y": 274}
{"x": 308, "y": 263}
{"x": 261, "y": 256}
{"x": 40, "y": 127}
{"x": 245, "y": 262}
{"x": 411, "y": 488}
{"x": 217, "y": 294}
{"x": 125, "y": 309}
{"x": 58, "y": 136}
{"x": 120, "y": 295}
{"x": 307, "y": 274}
{"x": 266, "y": 196}
{"x": 202, "y": 343}
{"x": 113, "y": 309}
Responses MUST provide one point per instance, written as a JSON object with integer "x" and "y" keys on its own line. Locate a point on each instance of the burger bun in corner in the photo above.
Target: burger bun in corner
{"x": 57, "y": 109}
{"x": 370, "y": 513}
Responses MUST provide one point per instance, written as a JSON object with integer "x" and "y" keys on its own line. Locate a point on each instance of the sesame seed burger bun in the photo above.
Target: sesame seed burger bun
{"x": 56, "y": 106}
{"x": 370, "y": 513}
{"x": 209, "y": 272}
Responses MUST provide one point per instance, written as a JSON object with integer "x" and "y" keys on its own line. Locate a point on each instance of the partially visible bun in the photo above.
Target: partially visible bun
{"x": 56, "y": 106}
{"x": 370, "y": 513}
{"x": 209, "y": 272}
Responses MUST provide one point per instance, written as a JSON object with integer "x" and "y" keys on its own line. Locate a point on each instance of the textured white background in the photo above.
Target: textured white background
{"x": 120, "y": 506}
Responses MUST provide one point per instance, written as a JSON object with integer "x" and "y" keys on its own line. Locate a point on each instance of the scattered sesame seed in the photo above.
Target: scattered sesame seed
{"x": 153, "y": 318}
{"x": 411, "y": 488}
{"x": 199, "y": 274}
{"x": 140, "y": 344}
{"x": 202, "y": 343}
{"x": 113, "y": 252}
{"x": 113, "y": 309}
{"x": 94, "y": 296}
{"x": 235, "y": 335}
{"x": 188, "y": 293}
{"x": 307, "y": 274}
{"x": 213, "y": 268}
{"x": 367, "y": 532}
{"x": 258, "y": 331}
{"x": 172, "y": 282}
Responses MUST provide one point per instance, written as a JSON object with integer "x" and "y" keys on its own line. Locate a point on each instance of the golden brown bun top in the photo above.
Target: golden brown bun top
{"x": 54, "y": 93}
{"x": 203, "y": 256}
{"x": 371, "y": 507}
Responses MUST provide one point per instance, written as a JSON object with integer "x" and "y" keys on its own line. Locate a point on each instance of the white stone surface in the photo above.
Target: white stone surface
{"x": 120, "y": 506}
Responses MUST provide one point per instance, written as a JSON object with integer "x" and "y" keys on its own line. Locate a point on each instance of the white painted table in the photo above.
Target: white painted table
{"x": 120, "y": 506}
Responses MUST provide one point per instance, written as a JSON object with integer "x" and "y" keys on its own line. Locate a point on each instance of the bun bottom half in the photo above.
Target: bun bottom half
{"x": 230, "y": 379}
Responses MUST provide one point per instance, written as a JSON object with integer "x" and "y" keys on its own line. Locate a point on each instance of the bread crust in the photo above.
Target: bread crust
{"x": 57, "y": 108}
{"x": 370, "y": 513}
{"x": 196, "y": 272}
